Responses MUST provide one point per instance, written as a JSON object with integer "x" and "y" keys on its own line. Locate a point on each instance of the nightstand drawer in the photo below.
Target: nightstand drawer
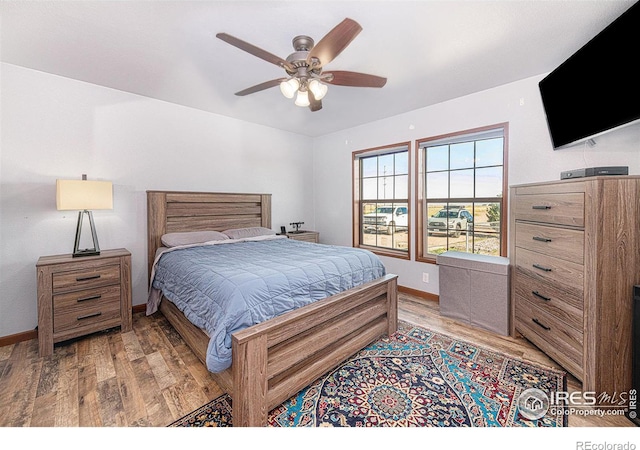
{"x": 86, "y": 278}
{"x": 83, "y": 308}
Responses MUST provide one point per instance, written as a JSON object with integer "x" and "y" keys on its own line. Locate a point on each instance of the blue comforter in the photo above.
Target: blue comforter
{"x": 228, "y": 287}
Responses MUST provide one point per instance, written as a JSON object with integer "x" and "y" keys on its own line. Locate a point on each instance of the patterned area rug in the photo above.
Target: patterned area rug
{"x": 415, "y": 378}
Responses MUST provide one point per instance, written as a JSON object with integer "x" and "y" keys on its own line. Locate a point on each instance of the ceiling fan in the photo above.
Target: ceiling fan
{"x": 304, "y": 67}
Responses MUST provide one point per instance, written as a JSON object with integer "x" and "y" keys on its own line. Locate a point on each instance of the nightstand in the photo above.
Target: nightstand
{"x": 79, "y": 296}
{"x": 307, "y": 236}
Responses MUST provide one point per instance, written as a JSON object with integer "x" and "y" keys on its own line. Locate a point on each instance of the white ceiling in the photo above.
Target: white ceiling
{"x": 430, "y": 51}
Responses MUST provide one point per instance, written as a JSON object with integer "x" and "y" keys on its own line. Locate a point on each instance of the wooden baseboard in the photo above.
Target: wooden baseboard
{"x": 139, "y": 308}
{"x": 18, "y": 337}
{"x": 417, "y": 293}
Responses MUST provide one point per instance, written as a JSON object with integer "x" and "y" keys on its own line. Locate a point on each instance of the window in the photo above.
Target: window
{"x": 381, "y": 212}
{"x": 461, "y": 188}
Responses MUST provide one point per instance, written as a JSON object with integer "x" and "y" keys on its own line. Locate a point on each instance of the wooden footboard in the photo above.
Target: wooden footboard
{"x": 274, "y": 360}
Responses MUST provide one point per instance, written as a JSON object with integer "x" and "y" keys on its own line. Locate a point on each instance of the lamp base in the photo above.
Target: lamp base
{"x": 87, "y": 251}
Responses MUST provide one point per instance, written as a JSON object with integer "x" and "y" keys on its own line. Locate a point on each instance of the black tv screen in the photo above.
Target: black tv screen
{"x": 598, "y": 88}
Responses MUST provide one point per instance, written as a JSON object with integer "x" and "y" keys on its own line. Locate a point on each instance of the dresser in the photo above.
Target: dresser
{"x": 575, "y": 256}
{"x": 78, "y": 296}
{"x": 307, "y": 236}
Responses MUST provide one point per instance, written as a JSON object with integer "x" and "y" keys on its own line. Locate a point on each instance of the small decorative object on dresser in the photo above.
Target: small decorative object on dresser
{"x": 303, "y": 235}
{"x": 79, "y": 296}
{"x": 575, "y": 250}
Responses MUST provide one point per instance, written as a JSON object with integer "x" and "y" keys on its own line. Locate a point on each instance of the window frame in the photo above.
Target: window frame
{"x": 421, "y": 220}
{"x": 357, "y": 201}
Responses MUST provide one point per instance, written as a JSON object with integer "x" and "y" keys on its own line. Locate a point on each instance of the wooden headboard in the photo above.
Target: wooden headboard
{"x": 176, "y": 211}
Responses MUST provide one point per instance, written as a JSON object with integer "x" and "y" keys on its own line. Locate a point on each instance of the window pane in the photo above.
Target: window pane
{"x": 385, "y": 225}
{"x": 437, "y": 185}
{"x": 462, "y": 155}
{"x": 489, "y": 182}
{"x": 437, "y": 158}
{"x": 402, "y": 186}
{"x": 385, "y": 188}
{"x": 489, "y": 152}
{"x": 434, "y": 242}
{"x": 368, "y": 221}
{"x": 461, "y": 184}
{"x": 401, "y": 163}
{"x": 370, "y": 188}
{"x": 385, "y": 165}
{"x": 487, "y": 229}
{"x": 369, "y": 166}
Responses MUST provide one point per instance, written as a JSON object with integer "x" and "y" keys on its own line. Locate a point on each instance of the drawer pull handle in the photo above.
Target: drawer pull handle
{"x": 537, "y": 322}
{"x": 541, "y": 239}
{"x": 541, "y": 207}
{"x": 89, "y": 316}
{"x": 539, "y": 295}
{"x": 84, "y": 299}
{"x": 90, "y": 277}
{"x": 538, "y": 266}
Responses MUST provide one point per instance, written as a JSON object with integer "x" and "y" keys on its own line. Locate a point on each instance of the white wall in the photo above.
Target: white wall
{"x": 531, "y": 157}
{"x": 54, "y": 127}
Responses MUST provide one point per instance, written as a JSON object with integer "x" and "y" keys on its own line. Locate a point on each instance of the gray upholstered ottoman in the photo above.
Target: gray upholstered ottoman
{"x": 475, "y": 289}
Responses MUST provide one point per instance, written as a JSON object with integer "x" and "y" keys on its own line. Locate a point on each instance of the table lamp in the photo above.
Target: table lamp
{"x": 84, "y": 196}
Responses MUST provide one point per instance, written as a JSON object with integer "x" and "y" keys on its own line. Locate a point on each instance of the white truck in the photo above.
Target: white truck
{"x": 387, "y": 219}
{"x": 450, "y": 221}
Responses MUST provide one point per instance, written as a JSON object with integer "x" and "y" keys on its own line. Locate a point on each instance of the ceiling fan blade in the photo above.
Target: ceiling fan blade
{"x": 314, "y": 105}
{"x": 355, "y": 79}
{"x": 255, "y": 51}
{"x": 260, "y": 87}
{"x": 334, "y": 42}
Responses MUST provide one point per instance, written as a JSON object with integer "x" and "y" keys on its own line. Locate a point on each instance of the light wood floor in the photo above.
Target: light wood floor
{"x": 149, "y": 377}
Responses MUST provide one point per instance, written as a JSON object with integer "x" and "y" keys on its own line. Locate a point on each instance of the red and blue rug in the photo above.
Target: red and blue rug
{"x": 415, "y": 378}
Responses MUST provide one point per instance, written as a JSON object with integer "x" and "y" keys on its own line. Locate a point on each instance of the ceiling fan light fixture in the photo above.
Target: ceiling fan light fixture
{"x": 319, "y": 90}
{"x": 302, "y": 99}
{"x": 289, "y": 87}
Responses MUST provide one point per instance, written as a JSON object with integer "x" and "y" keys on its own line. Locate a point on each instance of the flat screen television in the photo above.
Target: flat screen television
{"x": 598, "y": 88}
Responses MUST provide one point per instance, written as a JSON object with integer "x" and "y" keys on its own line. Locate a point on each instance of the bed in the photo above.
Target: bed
{"x": 274, "y": 359}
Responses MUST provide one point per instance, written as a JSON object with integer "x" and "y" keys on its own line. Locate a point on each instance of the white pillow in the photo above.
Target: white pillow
{"x": 239, "y": 233}
{"x": 191, "y": 237}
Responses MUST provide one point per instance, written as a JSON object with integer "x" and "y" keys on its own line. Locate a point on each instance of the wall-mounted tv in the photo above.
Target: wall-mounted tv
{"x": 598, "y": 88}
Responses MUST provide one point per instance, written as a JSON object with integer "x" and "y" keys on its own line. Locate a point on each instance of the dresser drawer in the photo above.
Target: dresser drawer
{"x": 565, "y": 304}
{"x": 560, "y": 341}
{"x": 560, "y": 243}
{"x": 561, "y": 209}
{"x": 86, "y": 278}
{"x": 84, "y": 308}
{"x": 550, "y": 270}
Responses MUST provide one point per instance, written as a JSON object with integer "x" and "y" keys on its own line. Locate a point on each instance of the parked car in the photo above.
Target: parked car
{"x": 387, "y": 219}
{"x": 450, "y": 221}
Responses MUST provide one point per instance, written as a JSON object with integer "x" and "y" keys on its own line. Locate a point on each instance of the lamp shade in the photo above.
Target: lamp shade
{"x": 83, "y": 195}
